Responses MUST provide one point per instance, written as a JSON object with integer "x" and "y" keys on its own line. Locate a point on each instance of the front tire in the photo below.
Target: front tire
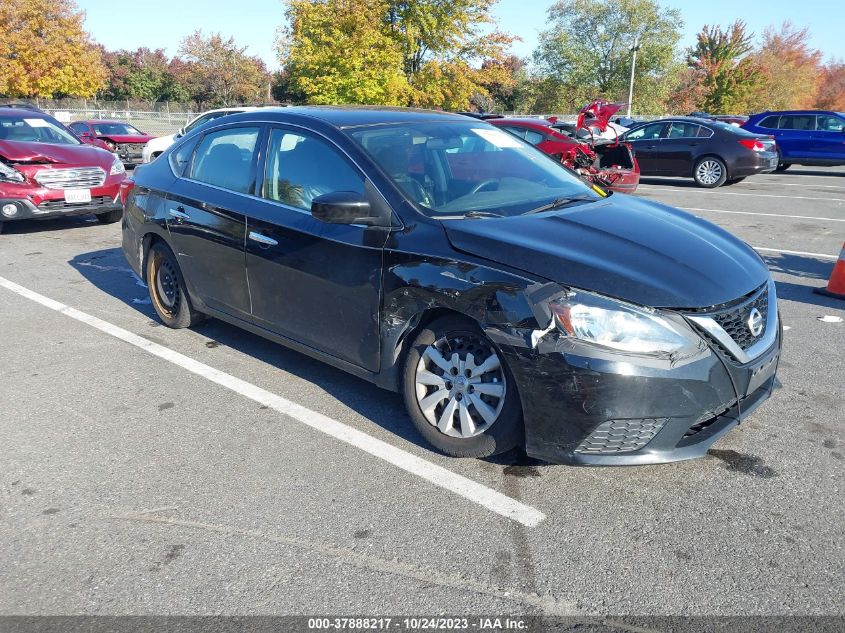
{"x": 167, "y": 289}
{"x": 110, "y": 217}
{"x": 783, "y": 166}
{"x": 710, "y": 172}
{"x": 459, "y": 392}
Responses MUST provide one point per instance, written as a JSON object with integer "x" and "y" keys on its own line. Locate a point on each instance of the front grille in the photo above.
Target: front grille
{"x": 71, "y": 178}
{"x": 734, "y": 321}
{"x": 621, "y": 436}
{"x": 131, "y": 148}
{"x": 48, "y": 206}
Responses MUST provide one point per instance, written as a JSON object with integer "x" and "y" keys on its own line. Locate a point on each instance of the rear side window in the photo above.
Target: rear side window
{"x": 516, "y": 131}
{"x": 181, "y": 157}
{"x": 828, "y": 123}
{"x": 770, "y": 122}
{"x": 225, "y": 159}
{"x": 683, "y": 130}
{"x": 798, "y": 122}
{"x": 535, "y": 138}
{"x": 301, "y": 167}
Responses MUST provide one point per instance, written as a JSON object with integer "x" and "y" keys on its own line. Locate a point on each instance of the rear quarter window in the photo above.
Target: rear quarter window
{"x": 180, "y": 158}
{"x": 770, "y": 122}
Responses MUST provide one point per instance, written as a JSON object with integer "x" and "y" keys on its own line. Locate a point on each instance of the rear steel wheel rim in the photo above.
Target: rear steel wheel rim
{"x": 167, "y": 286}
{"x": 460, "y": 385}
{"x": 709, "y": 172}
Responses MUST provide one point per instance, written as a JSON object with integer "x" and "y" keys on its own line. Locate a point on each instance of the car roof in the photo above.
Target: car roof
{"x": 778, "y": 112}
{"x": 18, "y": 111}
{"x": 526, "y": 121}
{"x": 93, "y": 121}
{"x": 352, "y": 116}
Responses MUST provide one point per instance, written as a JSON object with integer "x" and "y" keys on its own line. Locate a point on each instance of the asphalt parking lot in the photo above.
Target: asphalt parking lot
{"x": 207, "y": 471}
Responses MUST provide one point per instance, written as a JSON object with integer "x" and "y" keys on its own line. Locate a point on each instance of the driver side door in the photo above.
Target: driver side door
{"x": 646, "y": 141}
{"x": 316, "y": 283}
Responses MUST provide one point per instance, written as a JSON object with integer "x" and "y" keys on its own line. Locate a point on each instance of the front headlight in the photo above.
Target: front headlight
{"x": 620, "y": 326}
{"x": 117, "y": 168}
{"x": 10, "y": 174}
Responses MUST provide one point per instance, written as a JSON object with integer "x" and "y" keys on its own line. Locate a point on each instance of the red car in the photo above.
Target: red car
{"x": 123, "y": 139}
{"x": 46, "y": 172}
{"x": 607, "y": 163}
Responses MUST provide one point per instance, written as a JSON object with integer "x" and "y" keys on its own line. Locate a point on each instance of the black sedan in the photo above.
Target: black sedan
{"x": 510, "y": 303}
{"x": 710, "y": 152}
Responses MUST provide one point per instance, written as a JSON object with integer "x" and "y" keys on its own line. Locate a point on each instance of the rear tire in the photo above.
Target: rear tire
{"x": 783, "y": 166}
{"x": 2, "y": 224}
{"x": 710, "y": 172}
{"x": 167, "y": 289}
{"x": 110, "y": 217}
{"x": 459, "y": 392}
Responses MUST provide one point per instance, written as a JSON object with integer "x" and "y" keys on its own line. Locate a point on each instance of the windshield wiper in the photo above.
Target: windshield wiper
{"x": 558, "y": 203}
{"x": 482, "y": 214}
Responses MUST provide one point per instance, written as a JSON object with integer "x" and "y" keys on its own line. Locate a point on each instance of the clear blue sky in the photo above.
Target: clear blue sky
{"x": 253, "y": 23}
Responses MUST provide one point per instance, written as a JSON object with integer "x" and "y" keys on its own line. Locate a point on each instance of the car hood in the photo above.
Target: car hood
{"x": 20, "y": 152}
{"x": 623, "y": 247}
{"x": 122, "y": 138}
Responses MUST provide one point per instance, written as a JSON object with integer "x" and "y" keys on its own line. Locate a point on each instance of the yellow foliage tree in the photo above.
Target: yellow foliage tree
{"x": 45, "y": 51}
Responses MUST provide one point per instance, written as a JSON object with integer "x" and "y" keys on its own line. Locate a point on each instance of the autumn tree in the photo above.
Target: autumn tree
{"x": 831, "y": 94}
{"x": 790, "y": 70}
{"x": 338, "y": 51}
{"x": 415, "y": 52}
{"x": 586, "y": 53}
{"x": 45, "y": 51}
{"x": 725, "y": 68}
{"x": 222, "y": 73}
{"x": 143, "y": 75}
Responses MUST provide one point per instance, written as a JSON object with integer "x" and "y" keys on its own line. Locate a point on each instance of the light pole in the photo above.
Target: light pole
{"x": 634, "y": 50}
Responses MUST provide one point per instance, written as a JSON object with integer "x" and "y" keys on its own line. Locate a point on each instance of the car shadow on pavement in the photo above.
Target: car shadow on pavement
{"x": 108, "y": 271}
{"x": 672, "y": 182}
{"x": 812, "y": 172}
{"x": 798, "y": 266}
{"x": 22, "y": 227}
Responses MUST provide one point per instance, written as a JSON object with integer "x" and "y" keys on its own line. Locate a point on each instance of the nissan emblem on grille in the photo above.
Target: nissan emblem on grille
{"x": 755, "y": 322}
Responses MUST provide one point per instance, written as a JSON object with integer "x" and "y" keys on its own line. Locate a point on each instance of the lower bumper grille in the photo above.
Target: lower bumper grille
{"x": 54, "y": 206}
{"x": 621, "y": 436}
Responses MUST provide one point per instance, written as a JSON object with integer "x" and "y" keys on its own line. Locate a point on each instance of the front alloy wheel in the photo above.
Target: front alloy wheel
{"x": 459, "y": 392}
{"x": 710, "y": 172}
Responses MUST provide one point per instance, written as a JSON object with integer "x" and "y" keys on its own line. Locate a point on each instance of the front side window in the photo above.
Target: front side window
{"x": 451, "y": 168}
{"x": 645, "y": 133}
{"x": 828, "y": 123}
{"x": 301, "y": 167}
{"x": 116, "y": 129}
{"x": 34, "y": 129}
{"x": 226, "y": 158}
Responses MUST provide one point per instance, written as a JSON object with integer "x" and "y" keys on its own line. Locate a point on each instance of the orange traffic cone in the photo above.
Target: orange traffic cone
{"x": 836, "y": 285}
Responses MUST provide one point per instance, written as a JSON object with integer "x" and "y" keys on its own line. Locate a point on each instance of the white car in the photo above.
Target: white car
{"x": 157, "y": 145}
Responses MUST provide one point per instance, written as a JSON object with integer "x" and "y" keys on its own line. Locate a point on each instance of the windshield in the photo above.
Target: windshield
{"x": 452, "y": 168}
{"x": 115, "y": 129}
{"x": 34, "y": 129}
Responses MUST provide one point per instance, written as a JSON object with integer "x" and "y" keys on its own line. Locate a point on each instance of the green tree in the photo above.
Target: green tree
{"x": 339, "y": 51}
{"x": 221, "y": 72}
{"x": 725, "y": 68}
{"x": 45, "y": 51}
{"x": 586, "y": 53}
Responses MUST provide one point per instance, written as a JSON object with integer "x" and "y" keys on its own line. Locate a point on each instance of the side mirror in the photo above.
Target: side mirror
{"x": 344, "y": 207}
{"x": 180, "y": 133}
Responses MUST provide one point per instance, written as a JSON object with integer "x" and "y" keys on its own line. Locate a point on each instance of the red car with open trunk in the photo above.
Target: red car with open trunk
{"x": 599, "y": 160}
{"x": 123, "y": 139}
{"x": 46, "y": 172}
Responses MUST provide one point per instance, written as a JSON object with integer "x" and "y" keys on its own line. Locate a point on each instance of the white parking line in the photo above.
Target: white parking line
{"x": 798, "y": 184}
{"x": 439, "y": 476}
{"x": 716, "y": 192}
{"x": 774, "y": 215}
{"x": 781, "y": 250}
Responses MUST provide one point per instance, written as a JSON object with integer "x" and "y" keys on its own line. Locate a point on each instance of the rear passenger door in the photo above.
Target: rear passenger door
{"x": 794, "y": 136}
{"x": 681, "y": 147}
{"x": 206, "y": 216}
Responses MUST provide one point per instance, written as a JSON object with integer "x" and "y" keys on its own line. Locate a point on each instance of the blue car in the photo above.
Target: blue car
{"x": 804, "y": 137}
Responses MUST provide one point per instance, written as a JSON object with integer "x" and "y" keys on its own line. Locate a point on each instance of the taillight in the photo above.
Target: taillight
{"x": 753, "y": 144}
{"x": 126, "y": 188}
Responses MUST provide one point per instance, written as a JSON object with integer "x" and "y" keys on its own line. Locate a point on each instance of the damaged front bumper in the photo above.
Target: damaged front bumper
{"x": 586, "y": 405}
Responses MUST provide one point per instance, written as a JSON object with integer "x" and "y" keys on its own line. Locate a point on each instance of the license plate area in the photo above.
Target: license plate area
{"x": 77, "y": 196}
{"x": 762, "y": 373}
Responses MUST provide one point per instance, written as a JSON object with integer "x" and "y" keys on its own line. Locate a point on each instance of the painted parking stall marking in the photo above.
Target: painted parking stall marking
{"x": 715, "y": 192}
{"x": 439, "y": 476}
{"x": 773, "y": 215}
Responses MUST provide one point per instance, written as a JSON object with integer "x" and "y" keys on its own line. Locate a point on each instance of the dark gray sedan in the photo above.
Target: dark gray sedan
{"x": 710, "y": 152}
